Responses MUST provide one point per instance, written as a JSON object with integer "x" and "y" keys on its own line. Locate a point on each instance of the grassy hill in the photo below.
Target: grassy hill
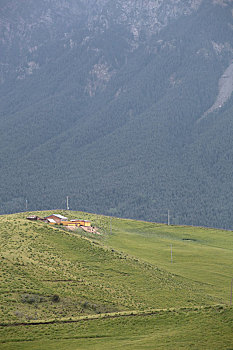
{"x": 118, "y": 288}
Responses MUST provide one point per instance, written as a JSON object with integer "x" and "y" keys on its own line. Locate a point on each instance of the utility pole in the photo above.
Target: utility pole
{"x": 171, "y": 254}
{"x": 231, "y": 292}
{"x": 168, "y": 217}
{"x": 26, "y": 205}
{"x": 110, "y": 225}
{"x": 67, "y": 203}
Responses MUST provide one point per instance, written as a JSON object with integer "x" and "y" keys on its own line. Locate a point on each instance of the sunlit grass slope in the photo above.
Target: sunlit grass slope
{"x": 205, "y": 329}
{"x": 203, "y": 255}
{"x": 47, "y": 272}
{"x": 198, "y": 254}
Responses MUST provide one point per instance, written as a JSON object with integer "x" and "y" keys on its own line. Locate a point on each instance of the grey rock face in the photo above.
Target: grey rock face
{"x": 28, "y": 29}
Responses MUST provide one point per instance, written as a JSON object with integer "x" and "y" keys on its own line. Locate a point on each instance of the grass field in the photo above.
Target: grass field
{"x": 206, "y": 329}
{"x": 199, "y": 254}
{"x": 48, "y": 273}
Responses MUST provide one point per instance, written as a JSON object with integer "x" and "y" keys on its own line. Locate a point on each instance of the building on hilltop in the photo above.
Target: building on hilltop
{"x": 56, "y": 218}
{"x": 76, "y": 222}
{"x": 62, "y": 220}
{"x": 33, "y": 217}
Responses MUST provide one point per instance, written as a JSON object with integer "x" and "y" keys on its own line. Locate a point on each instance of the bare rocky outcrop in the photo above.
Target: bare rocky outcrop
{"x": 225, "y": 89}
{"x": 28, "y": 29}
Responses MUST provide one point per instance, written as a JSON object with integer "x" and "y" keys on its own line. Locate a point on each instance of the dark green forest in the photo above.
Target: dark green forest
{"x": 135, "y": 144}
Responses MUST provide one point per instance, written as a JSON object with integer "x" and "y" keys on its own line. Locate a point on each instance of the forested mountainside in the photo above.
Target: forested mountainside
{"x": 126, "y": 107}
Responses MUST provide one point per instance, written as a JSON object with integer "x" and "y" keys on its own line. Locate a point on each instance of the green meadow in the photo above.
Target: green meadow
{"x": 121, "y": 288}
{"x": 207, "y": 329}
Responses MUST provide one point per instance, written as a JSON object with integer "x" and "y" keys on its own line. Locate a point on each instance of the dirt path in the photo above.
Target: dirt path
{"x": 89, "y": 229}
{"x": 113, "y": 315}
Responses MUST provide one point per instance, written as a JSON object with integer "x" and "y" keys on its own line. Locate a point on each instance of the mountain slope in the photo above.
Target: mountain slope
{"x": 105, "y": 102}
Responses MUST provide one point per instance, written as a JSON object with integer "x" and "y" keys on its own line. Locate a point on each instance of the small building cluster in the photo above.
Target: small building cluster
{"x": 61, "y": 220}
